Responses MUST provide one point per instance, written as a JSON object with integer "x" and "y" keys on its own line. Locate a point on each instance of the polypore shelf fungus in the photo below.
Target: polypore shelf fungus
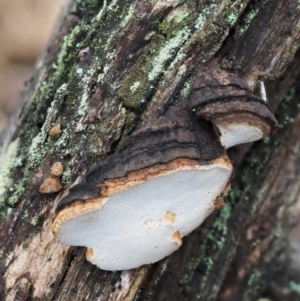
{"x": 135, "y": 206}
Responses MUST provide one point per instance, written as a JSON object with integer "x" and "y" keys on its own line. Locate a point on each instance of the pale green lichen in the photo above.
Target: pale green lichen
{"x": 204, "y": 15}
{"x": 162, "y": 269}
{"x": 113, "y": 6}
{"x": 200, "y": 21}
{"x": 79, "y": 71}
{"x": 68, "y": 43}
{"x": 36, "y": 152}
{"x": 246, "y": 22}
{"x": 85, "y": 76}
{"x": 134, "y": 86}
{"x": 266, "y": 140}
{"x": 34, "y": 220}
{"x": 278, "y": 231}
{"x": 186, "y": 89}
{"x": 179, "y": 15}
{"x": 254, "y": 282}
{"x": 254, "y": 278}
{"x": 110, "y": 54}
{"x": 295, "y": 287}
{"x": 219, "y": 227}
{"x": 7, "y": 161}
{"x": 101, "y": 75}
{"x": 219, "y": 230}
{"x": 101, "y": 12}
{"x": 25, "y": 214}
{"x": 232, "y": 17}
{"x": 167, "y": 51}
{"x": 62, "y": 141}
{"x": 128, "y": 16}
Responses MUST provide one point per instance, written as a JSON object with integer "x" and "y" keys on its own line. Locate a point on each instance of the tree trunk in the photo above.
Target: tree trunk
{"x": 109, "y": 68}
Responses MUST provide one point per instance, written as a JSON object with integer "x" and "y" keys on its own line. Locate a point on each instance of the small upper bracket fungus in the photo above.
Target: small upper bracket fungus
{"x": 134, "y": 207}
{"x": 237, "y": 114}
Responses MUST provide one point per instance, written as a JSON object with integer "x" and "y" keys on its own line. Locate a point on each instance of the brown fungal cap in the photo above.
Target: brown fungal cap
{"x": 56, "y": 169}
{"x": 156, "y": 189}
{"x": 170, "y": 139}
{"x": 153, "y": 207}
{"x": 55, "y": 130}
{"x": 241, "y": 111}
{"x": 238, "y": 115}
{"x": 50, "y": 185}
{"x": 135, "y": 206}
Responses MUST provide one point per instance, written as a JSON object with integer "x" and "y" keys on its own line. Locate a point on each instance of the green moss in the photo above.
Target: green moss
{"x": 18, "y": 191}
{"x": 185, "y": 91}
{"x": 232, "y": 17}
{"x": 219, "y": 228}
{"x": 290, "y": 95}
{"x": 295, "y": 287}
{"x": 70, "y": 46}
{"x": 34, "y": 221}
{"x": 205, "y": 12}
{"x": 165, "y": 49}
{"x": 162, "y": 269}
{"x": 88, "y": 8}
{"x": 170, "y": 29}
{"x": 134, "y": 87}
{"x": 148, "y": 69}
{"x": 167, "y": 52}
{"x": 129, "y": 15}
{"x": 254, "y": 278}
{"x": 245, "y": 22}
{"x": 256, "y": 283}
{"x": 137, "y": 295}
{"x": 179, "y": 16}
{"x": 278, "y": 231}
{"x": 66, "y": 175}
{"x": 25, "y": 214}
{"x": 136, "y": 98}
{"x": 45, "y": 104}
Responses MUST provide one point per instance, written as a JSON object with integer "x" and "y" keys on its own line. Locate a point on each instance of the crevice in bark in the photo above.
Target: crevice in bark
{"x": 70, "y": 261}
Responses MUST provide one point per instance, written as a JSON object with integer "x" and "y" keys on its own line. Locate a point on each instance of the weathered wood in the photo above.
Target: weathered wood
{"x": 111, "y": 68}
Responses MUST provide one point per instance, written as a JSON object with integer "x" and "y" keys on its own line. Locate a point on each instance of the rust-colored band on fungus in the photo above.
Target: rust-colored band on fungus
{"x": 112, "y": 186}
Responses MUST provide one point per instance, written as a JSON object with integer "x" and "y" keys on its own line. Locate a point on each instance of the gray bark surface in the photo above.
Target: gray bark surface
{"x": 112, "y": 66}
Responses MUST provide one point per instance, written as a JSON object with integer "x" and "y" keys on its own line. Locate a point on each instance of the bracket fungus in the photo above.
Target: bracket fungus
{"x": 134, "y": 207}
{"x": 237, "y": 114}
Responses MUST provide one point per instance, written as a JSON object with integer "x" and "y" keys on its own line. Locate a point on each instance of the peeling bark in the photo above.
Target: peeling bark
{"x": 112, "y": 67}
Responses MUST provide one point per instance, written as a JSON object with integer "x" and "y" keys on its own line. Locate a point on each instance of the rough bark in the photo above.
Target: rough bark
{"x": 112, "y": 66}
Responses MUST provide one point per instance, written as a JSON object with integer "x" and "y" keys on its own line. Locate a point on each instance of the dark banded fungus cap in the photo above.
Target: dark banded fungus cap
{"x": 238, "y": 115}
{"x": 157, "y": 188}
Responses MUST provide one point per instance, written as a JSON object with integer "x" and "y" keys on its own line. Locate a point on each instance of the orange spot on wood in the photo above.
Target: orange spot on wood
{"x": 55, "y": 130}
{"x": 56, "y": 169}
{"x": 89, "y": 253}
{"x": 219, "y": 202}
{"x": 50, "y": 185}
{"x": 169, "y": 217}
{"x": 176, "y": 237}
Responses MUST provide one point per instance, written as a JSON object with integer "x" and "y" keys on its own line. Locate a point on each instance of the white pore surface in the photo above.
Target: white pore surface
{"x": 129, "y": 231}
{"x": 237, "y": 133}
